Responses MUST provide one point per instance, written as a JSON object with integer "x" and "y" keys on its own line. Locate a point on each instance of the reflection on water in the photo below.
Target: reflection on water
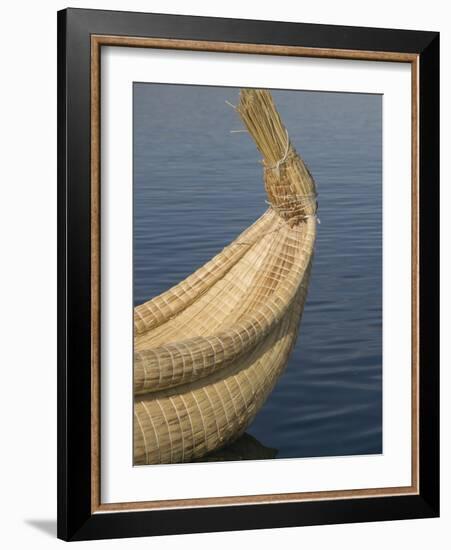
{"x": 196, "y": 186}
{"x": 245, "y": 447}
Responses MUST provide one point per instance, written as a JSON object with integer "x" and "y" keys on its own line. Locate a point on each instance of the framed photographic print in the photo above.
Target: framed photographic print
{"x": 248, "y": 274}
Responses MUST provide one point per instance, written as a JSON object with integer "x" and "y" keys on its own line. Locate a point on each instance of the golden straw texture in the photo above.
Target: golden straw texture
{"x": 209, "y": 350}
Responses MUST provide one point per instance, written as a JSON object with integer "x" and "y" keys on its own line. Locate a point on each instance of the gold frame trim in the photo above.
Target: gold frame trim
{"x": 97, "y": 41}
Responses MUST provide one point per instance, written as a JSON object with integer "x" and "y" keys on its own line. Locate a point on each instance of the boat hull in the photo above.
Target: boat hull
{"x": 209, "y": 351}
{"x": 184, "y": 423}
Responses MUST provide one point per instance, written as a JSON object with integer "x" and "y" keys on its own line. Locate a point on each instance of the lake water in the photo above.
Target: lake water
{"x": 197, "y": 186}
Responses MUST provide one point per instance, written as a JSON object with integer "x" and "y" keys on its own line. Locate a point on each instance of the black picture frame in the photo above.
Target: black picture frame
{"x": 76, "y": 519}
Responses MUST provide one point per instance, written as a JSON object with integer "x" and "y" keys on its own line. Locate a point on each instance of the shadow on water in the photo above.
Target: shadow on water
{"x": 245, "y": 447}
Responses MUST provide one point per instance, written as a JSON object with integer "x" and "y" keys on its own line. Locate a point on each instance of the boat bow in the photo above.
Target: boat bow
{"x": 209, "y": 350}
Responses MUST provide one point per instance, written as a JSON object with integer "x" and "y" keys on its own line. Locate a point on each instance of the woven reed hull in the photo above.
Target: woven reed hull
{"x": 180, "y": 426}
{"x": 230, "y": 317}
{"x": 187, "y": 421}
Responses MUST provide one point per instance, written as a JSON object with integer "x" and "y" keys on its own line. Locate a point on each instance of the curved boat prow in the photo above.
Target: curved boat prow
{"x": 209, "y": 350}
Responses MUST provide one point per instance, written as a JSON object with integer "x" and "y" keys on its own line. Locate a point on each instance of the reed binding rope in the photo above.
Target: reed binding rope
{"x": 288, "y": 182}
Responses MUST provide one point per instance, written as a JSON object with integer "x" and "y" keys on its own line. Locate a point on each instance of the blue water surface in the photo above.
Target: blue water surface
{"x": 197, "y": 186}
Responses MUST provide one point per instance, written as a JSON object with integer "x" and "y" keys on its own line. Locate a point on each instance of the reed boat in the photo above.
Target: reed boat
{"x": 208, "y": 351}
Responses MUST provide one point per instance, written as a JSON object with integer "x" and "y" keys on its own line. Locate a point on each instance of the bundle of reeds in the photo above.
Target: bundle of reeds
{"x": 209, "y": 350}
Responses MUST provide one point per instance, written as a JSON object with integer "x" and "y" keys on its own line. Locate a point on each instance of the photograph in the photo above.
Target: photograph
{"x": 257, "y": 273}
